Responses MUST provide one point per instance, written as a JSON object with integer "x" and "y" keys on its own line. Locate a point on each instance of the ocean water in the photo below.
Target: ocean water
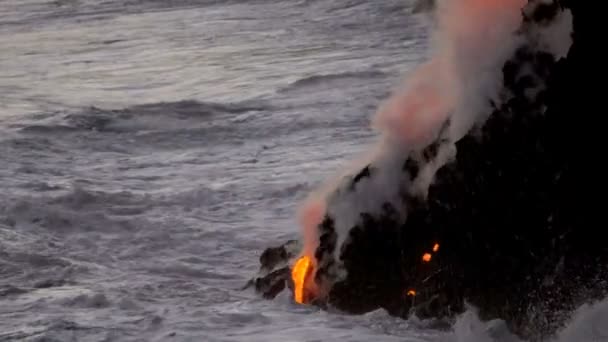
{"x": 150, "y": 150}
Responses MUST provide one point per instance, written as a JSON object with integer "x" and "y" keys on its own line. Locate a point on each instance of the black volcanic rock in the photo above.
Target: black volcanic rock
{"x": 275, "y": 274}
{"x": 515, "y": 213}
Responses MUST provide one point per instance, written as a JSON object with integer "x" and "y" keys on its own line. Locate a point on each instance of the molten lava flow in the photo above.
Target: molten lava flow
{"x": 427, "y": 257}
{"x": 436, "y": 248}
{"x": 299, "y": 273}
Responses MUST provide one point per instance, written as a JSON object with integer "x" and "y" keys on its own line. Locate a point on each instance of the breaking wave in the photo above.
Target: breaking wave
{"x": 155, "y": 116}
{"x": 588, "y": 324}
{"x": 332, "y": 80}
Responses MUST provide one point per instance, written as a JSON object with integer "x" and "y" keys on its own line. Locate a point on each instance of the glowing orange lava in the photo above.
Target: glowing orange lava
{"x": 436, "y": 248}
{"x": 427, "y": 257}
{"x": 411, "y": 293}
{"x": 299, "y": 273}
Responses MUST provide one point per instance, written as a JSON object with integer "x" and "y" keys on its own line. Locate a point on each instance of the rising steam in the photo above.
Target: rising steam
{"x": 460, "y": 83}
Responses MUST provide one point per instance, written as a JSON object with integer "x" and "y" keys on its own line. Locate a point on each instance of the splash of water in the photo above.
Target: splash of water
{"x": 588, "y": 324}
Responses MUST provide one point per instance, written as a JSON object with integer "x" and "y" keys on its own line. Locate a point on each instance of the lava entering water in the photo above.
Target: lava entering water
{"x": 299, "y": 274}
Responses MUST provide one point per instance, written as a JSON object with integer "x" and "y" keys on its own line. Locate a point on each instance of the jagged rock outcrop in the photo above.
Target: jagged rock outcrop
{"x": 513, "y": 214}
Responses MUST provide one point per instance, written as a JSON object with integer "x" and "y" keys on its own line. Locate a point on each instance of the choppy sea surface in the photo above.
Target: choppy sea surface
{"x": 150, "y": 150}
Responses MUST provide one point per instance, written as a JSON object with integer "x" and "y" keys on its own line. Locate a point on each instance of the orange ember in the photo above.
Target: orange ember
{"x": 427, "y": 257}
{"x": 299, "y": 273}
{"x": 411, "y": 293}
{"x": 436, "y": 248}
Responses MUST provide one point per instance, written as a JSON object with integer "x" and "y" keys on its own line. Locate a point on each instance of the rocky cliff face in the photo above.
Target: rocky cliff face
{"x": 508, "y": 224}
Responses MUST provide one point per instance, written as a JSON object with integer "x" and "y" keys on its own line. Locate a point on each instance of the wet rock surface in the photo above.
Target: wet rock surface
{"x": 275, "y": 274}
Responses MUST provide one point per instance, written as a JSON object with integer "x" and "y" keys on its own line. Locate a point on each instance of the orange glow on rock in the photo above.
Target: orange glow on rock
{"x": 436, "y": 248}
{"x": 299, "y": 273}
{"x": 427, "y": 257}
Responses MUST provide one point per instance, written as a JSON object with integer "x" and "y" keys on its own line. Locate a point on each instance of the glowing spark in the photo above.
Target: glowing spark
{"x": 411, "y": 293}
{"x": 427, "y": 257}
{"x": 436, "y": 248}
{"x": 299, "y": 273}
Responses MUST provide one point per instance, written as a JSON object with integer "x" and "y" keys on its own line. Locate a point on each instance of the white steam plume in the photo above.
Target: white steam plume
{"x": 472, "y": 41}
